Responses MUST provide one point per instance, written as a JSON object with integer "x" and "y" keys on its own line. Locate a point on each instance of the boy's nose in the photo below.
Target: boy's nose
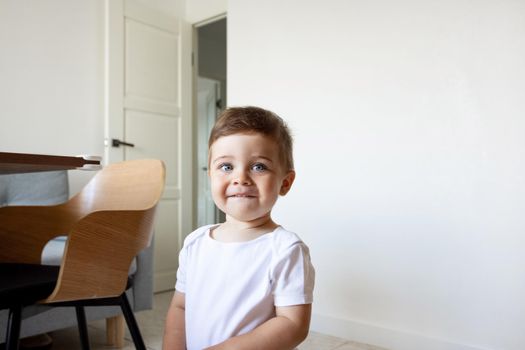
{"x": 241, "y": 178}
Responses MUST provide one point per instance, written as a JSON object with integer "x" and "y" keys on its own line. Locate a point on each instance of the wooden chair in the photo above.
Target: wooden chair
{"x": 108, "y": 223}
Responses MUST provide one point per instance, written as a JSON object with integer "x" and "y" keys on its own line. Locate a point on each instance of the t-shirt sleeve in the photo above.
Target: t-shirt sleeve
{"x": 293, "y": 276}
{"x": 180, "y": 285}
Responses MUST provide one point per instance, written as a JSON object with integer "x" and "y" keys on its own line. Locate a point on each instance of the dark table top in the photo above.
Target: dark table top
{"x": 13, "y": 163}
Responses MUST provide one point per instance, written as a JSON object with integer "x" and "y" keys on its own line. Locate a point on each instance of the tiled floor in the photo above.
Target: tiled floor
{"x": 151, "y": 324}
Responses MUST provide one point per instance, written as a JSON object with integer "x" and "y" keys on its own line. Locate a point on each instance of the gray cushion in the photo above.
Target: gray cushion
{"x": 45, "y": 188}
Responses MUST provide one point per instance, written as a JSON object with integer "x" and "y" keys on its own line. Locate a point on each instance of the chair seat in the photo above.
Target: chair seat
{"x": 25, "y": 284}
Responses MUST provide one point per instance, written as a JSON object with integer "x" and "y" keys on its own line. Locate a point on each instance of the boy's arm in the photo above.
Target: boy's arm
{"x": 175, "y": 328}
{"x": 283, "y": 332}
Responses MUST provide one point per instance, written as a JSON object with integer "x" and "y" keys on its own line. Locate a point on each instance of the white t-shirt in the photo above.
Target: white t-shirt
{"x": 231, "y": 288}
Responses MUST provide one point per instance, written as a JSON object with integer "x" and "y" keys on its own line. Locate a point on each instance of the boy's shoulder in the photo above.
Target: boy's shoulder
{"x": 283, "y": 239}
{"x": 283, "y": 235}
{"x": 196, "y": 235}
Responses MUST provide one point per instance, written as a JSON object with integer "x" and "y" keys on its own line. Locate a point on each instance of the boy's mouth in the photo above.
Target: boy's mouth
{"x": 241, "y": 195}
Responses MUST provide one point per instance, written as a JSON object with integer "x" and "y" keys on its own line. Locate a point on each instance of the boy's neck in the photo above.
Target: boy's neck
{"x": 242, "y": 231}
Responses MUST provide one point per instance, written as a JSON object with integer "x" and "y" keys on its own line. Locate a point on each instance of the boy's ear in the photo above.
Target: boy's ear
{"x": 287, "y": 183}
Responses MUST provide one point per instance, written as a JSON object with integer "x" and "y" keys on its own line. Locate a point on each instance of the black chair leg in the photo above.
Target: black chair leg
{"x": 132, "y": 323}
{"x": 82, "y": 327}
{"x": 13, "y": 327}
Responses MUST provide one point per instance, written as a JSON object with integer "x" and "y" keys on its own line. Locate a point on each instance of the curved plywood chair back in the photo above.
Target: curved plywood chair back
{"x": 130, "y": 185}
{"x": 117, "y": 210}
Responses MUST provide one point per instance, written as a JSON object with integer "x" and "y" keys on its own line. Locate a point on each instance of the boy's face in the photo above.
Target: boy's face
{"x": 247, "y": 176}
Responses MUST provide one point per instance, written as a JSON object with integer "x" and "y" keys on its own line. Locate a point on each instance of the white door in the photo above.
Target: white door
{"x": 148, "y": 104}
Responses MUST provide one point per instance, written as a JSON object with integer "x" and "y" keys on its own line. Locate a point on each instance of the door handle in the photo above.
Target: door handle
{"x": 117, "y": 143}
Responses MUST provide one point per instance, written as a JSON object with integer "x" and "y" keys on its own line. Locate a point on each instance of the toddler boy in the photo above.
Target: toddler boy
{"x": 246, "y": 283}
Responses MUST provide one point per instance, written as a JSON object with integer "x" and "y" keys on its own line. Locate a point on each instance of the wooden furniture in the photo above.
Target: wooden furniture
{"x": 11, "y": 163}
{"x": 108, "y": 223}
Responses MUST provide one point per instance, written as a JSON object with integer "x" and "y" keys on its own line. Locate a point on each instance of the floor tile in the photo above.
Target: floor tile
{"x": 68, "y": 339}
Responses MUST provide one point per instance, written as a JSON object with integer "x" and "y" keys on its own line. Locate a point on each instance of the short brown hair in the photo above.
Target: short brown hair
{"x": 250, "y": 119}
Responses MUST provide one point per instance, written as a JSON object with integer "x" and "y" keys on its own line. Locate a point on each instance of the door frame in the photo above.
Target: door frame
{"x": 195, "y": 76}
{"x": 203, "y": 127}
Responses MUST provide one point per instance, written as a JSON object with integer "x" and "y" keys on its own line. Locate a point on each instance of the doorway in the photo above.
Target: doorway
{"x": 210, "y": 99}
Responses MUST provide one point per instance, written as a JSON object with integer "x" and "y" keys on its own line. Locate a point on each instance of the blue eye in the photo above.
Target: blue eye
{"x": 258, "y": 167}
{"x": 226, "y": 167}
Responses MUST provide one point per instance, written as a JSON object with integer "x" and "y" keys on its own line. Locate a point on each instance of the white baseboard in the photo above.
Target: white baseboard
{"x": 390, "y": 339}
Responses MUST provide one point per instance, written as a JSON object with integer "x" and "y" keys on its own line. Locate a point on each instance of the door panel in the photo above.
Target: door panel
{"x": 154, "y": 136}
{"x": 150, "y": 56}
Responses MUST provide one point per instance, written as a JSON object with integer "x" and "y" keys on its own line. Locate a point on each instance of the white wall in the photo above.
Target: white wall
{"x": 409, "y": 120}
{"x": 174, "y": 8}
{"x": 51, "y": 78}
{"x": 202, "y": 10}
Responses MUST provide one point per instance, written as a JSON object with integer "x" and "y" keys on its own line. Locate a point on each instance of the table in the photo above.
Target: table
{"x": 12, "y": 163}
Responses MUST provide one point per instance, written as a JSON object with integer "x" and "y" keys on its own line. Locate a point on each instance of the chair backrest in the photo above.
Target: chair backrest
{"x": 108, "y": 223}
{"x": 130, "y": 185}
{"x": 118, "y": 207}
